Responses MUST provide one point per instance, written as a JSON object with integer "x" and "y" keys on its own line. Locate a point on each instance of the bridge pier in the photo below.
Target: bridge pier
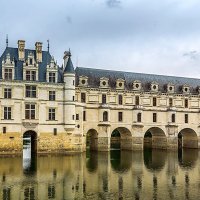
{"x": 137, "y": 143}
{"x": 103, "y": 143}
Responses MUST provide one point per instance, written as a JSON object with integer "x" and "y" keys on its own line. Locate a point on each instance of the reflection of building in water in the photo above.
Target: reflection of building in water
{"x": 71, "y": 177}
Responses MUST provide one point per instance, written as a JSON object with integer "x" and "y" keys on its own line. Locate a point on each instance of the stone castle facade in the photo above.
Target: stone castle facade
{"x": 59, "y": 107}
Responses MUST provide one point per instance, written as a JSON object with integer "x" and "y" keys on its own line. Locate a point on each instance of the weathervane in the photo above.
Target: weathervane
{"x": 7, "y": 40}
{"x": 48, "y": 45}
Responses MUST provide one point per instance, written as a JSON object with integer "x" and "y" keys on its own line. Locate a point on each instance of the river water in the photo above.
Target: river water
{"x": 148, "y": 174}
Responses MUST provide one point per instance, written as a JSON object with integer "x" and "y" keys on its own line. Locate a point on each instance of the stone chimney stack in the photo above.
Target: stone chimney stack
{"x": 67, "y": 54}
{"x": 38, "y": 49}
{"x": 21, "y": 49}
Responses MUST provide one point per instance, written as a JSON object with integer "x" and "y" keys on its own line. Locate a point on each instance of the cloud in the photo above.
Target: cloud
{"x": 193, "y": 55}
{"x": 113, "y": 3}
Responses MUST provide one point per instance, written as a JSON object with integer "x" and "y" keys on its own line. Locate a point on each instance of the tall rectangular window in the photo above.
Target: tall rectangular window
{"x": 83, "y": 97}
{"x": 4, "y": 129}
{"x": 139, "y": 117}
{"x": 84, "y": 115}
{"x": 137, "y": 100}
{"x": 186, "y": 103}
{"x": 52, "y": 95}
{"x": 52, "y": 77}
{"x": 7, "y": 93}
{"x": 186, "y": 118}
{"x": 120, "y": 116}
{"x": 31, "y": 91}
{"x": 29, "y": 111}
{"x": 120, "y": 99}
{"x": 7, "y": 112}
{"x": 8, "y": 74}
{"x": 170, "y": 102}
{"x": 52, "y": 114}
{"x": 104, "y": 98}
{"x": 173, "y": 118}
{"x": 154, "y": 117}
{"x": 154, "y": 101}
{"x": 77, "y": 116}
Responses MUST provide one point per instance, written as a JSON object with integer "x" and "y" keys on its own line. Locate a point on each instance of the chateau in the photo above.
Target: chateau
{"x": 59, "y": 107}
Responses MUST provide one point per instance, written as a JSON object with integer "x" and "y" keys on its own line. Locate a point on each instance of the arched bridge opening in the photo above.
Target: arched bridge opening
{"x": 30, "y": 141}
{"x": 121, "y": 138}
{"x": 187, "y": 138}
{"x": 155, "y": 138}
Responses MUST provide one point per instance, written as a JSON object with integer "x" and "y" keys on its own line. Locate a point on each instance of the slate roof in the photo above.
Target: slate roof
{"x": 46, "y": 58}
{"x": 94, "y": 76}
{"x": 69, "y": 68}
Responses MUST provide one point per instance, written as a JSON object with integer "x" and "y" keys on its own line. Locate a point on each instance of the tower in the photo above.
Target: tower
{"x": 69, "y": 93}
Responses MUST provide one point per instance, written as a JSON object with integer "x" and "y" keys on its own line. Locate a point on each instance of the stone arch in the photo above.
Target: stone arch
{"x": 92, "y": 140}
{"x": 155, "y": 138}
{"x": 30, "y": 137}
{"x": 123, "y": 137}
{"x": 187, "y": 138}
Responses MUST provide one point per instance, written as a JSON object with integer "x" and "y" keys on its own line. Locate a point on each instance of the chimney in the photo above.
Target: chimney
{"x": 38, "y": 49}
{"x": 67, "y": 54}
{"x": 21, "y": 49}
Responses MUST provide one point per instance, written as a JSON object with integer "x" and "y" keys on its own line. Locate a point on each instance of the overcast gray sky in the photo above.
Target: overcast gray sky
{"x": 157, "y": 36}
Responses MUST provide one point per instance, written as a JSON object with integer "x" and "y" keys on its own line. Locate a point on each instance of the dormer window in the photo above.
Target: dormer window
{"x": 154, "y": 87}
{"x": 30, "y": 61}
{"x": 104, "y": 82}
{"x": 185, "y": 89}
{"x": 8, "y": 74}
{"x": 137, "y": 85}
{"x": 170, "y": 88}
{"x": 83, "y": 81}
{"x": 120, "y": 83}
{"x": 30, "y": 75}
{"x": 52, "y": 77}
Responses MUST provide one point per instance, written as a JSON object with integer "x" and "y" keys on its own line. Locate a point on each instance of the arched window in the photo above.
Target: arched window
{"x": 139, "y": 117}
{"x": 105, "y": 116}
{"x": 120, "y": 99}
{"x": 173, "y": 118}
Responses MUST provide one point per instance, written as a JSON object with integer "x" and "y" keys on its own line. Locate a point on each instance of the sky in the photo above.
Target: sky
{"x": 159, "y": 37}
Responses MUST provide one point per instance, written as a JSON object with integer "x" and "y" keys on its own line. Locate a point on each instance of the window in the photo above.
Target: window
{"x": 7, "y": 112}
{"x": 52, "y": 95}
{"x": 186, "y": 118}
{"x": 120, "y": 99}
{"x": 84, "y": 115}
{"x": 139, "y": 117}
{"x": 103, "y": 98}
{"x": 30, "y": 75}
{"x": 73, "y": 98}
{"x": 154, "y": 101}
{"x": 73, "y": 82}
{"x": 51, "y": 192}
{"x": 186, "y": 103}
{"x": 7, "y": 93}
{"x": 55, "y": 131}
{"x": 173, "y": 118}
{"x": 170, "y": 102}
{"x": 52, "y": 114}
{"x": 31, "y": 91}
{"x": 72, "y": 117}
{"x": 4, "y": 129}
{"x": 137, "y": 100}
{"x": 30, "y": 61}
{"x": 52, "y": 77}
{"x": 8, "y": 74}
{"x": 83, "y": 97}
{"x": 77, "y": 116}
{"x": 105, "y": 116}
{"x": 154, "y": 117}
{"x": 120, "y": 116}
{"x": 29, "y": 111}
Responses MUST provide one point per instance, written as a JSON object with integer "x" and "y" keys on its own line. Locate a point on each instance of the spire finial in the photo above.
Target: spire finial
{"x": 7, "y": 40}
{"x": 70, "y": 53}
{"x": 48, "y": 45}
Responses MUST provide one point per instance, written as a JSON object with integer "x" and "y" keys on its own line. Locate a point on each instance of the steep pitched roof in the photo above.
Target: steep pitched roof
{"x": 69, "y": 68}
{"x": 46, "y": 58}
{"x": 94, "y": 76}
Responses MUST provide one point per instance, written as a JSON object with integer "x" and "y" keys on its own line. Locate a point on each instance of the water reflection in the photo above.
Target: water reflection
{"x": 151, "y": 174}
